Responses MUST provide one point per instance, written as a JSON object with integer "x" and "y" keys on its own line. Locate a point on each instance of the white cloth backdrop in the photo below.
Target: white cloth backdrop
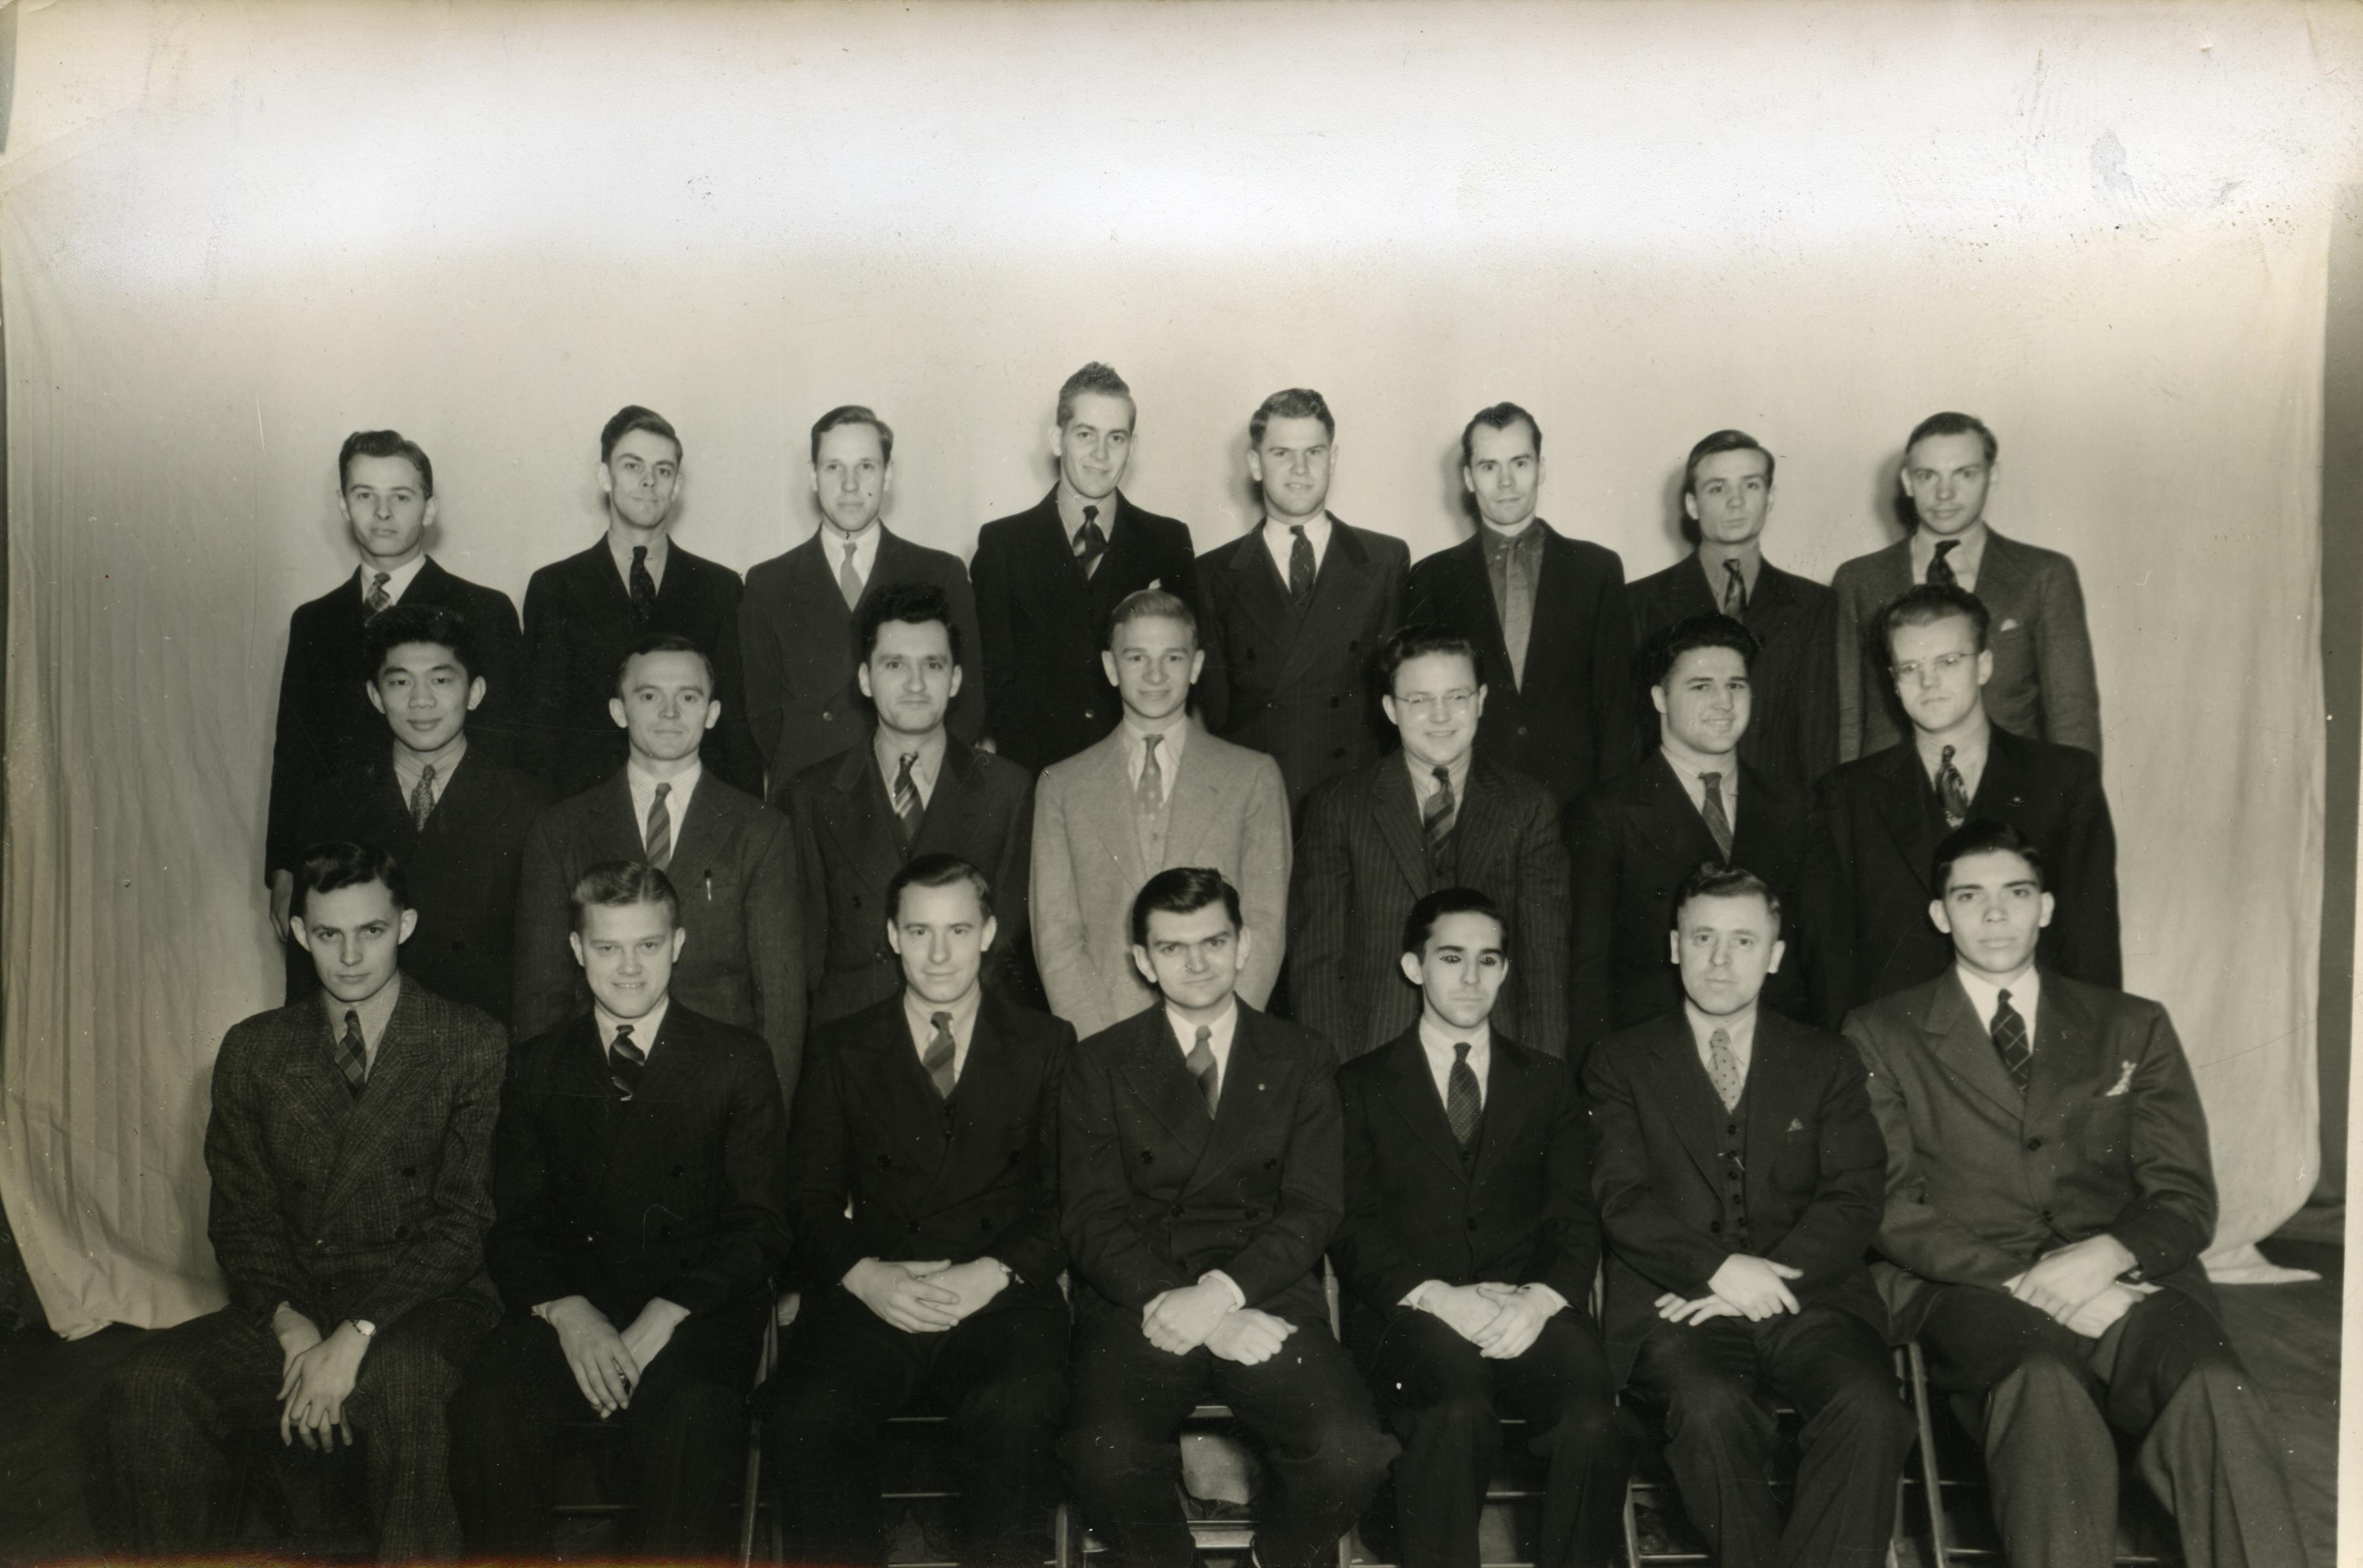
{"x": 231, "y": 234}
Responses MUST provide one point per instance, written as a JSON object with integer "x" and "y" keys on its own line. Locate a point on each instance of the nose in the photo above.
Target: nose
{"x": 668, "y": 707}
{"x": 629, "y": 965}
{"x": 420, "y": 695}
{"x": 349, "y": 948}
{"x": 939, "y": 947}
{"x": 1194, "y": 959}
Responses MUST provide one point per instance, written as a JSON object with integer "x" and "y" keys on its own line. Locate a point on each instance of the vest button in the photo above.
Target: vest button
{"x": 2033, "y": 1144}
{"x": 1177, "y": 1211}
{"x": 1714, "y": 1226}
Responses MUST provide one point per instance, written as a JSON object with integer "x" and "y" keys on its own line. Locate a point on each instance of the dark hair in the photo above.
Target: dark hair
{"x": 936, "y": 870}
{"x": 1499, "y": 417}
{"x": 1926, "y": 603}
{"x": 332, "y": 863}
{"x": 442, "y": 625}
{"x": 663, "y": 642}
{"x": 1146, "y": 602}
{"x": 619, "y": 884}
{"x": 1419, "y": 640}
{"x": 1092, "y": 378}
{"x": 914, "y": 603}
{"x": 1295, "y": 402}
{"x": 1183, "y": 889}
{"x": 383, "y": 444}
{"x": 1724, "y": 441}
{"x": 1713, "y": 879}
{"x": 853, "y": 414}
{"x": 1713, "y": 630}
{"x": 1421, "y": 923}
{"x": 1983, "y": 835}
{"x": 1952, "y": 425}
{"x": 631, "y": 417}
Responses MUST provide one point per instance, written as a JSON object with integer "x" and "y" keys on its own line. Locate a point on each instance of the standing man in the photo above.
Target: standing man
{"x": 641, "y": 1190}
{"x": 2048, "y": 1194}
{"x": 1429, "y": 816}
{"x": 1158, "y": 792}
{"x": 1295, "y": 608}
{"x": 1545, "y": 612}
{"x": 746, "y": 962}
{"x": 2043, "y": 685}
{"x": 914, "y": 789}
{"x": 385, "y": 489}
{"x": 1727, "y": 494}
{"x": 923, "y": 1192}
{"x": 584, "y": 612}
{"x": 1047, "y": 579}
{"x": 1201, "y": 1180}
{"x": 1739, "y": 1206}
{"x": 796, "y": 623}
{"x": 357, "y": 1284}
{"x": 1467, "y": 1255}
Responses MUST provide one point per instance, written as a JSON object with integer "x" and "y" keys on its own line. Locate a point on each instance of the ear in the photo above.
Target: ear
{"x": 956, "y": 682}
{"x": 574, "y": 942}
{"x": 378, "y": 702}
{"x": 615, "y": 712}
{"x": 1255, "y": 464}
{"x": 1674, "y": 947}
{"x": 1410, "y": 962}
{"x": 606, "y": 481}
{"x": 409, "y": 924}
{"x": 1107, "y": 665}
{"x": 861, "y": 678}
{"x": 1478, "y": 711}
{"x": 1658, "y": 699}
{"x": 1939, "y": 918}
{"x": 1985, "y": 667}
{"x": 894, "y": 936}
{"x": 2045, "y": 918}
{"x": 1468, "y": 480}
{"x": 426, "y": 516}
{"x": 302, "y": 934}
{"x": 713, "y": 714}
{"x": 679, "y": 936}
{"x": 1140, "y": 962}
{"x": 885, "y": 479}
{"x": 1780, "y": 951}
{"x": 1387, "y": 706}
{"x": 475, "y": 694}
{"x": 1245, "y": 944}
{"x": 1197, "y": 665}
{"x": 984, "y": 938}
{"x": 1057, "y": 439}
{"x": 1689, "y": 506}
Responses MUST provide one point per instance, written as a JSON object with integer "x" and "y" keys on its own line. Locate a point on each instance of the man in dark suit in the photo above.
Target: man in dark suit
{"x": 1697, "y": 799}
{"x": 796, "y": 623}
{"x": 923, "y": 1192}
{"x": 1546, "y": 613}
{"x": 584, "y": 612}
{"x": 349, "y": 1146}
{"x": 1430, "y": 815}
{"x": 1200, "y": 1182}
{"x": 640, "y": 1183}
{"x": 1728, "y": 493}
{"x": 913, "y": 789}
{"x": 1467, "y": 1254}
{"x": 1739, "y": 1205}
{"x": 2044, "y": 684}
{"x": 1876, "y": 820}
{"x": 2048, "y": 1194}
{"x": 459, "y": 833}
{"x": 737, "y": 860}
{"x": 1296, "y": 607}
{"x": 387, "y": 492}
{"x": 1046, "y": 578}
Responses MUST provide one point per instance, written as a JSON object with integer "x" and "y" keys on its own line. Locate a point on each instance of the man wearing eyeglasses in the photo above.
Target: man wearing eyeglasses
{"x": 1378, "y": 840}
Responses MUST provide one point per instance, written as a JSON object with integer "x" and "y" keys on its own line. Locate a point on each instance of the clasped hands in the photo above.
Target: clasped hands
{"x": 607, "y": 1366}
{"x": 2078, "y": 1286}
{"x": 1501, "y": 1321}
{"x": 1743, "y": 1287}
{"x": 925, "y": 1297}
{"x": 1207, "y": 1313}
{"x": 317, "y": 1378}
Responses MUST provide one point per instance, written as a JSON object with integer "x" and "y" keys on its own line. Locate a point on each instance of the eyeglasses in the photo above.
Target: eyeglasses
{"x": 1425, "y": 704}
{"x": 1943, "y": 664}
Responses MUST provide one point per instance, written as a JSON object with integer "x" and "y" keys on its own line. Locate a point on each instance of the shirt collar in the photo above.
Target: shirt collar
{"x": 1437, "y": 1040}
{"x": 1727, "y": 774}
{"x": 374, "y": 1014}
{"x": 1741, "y": 1026}
{"x": 1968, "y": 552}
{"x": 645, "y": 1028}
{"x": 398, "y": 582}
{"x": 684, "y": 783}
{"x": 921, "y": 1014}
{"x": 1316, "y": 531}
{"x": 659, "y": 553}
{"x": 1422, "y": 777}
{"x": 1969, "y": 754}
{"x": 1070, "y": 510}
{"x": 889, "y": 748}
{"x": 1501, "y": 541}
{"x": 1984, "y": 992}
{"x": 408, "y": 768}
{"x": 1218, "y": 1034}
{"x": 1172, "y": 741}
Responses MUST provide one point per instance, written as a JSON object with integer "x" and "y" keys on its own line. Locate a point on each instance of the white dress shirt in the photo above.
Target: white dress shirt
{"x": 398, "y": 582}
{"x": 408, "y": 769}
{"x": 1280, "y": 542}
{"x": 644, "y": 794}
{"x": 1172, "y": 741}
{"x": 1740, "y": 1027}
{"x": 865, "y": 550}
{"x": 1694, "y": 785}
{"x": 1985, "y": 992}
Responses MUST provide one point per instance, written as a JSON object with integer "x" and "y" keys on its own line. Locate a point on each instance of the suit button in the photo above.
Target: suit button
{"x": 1732, "y": 1128}
{"x": 1714, "y": 1226}
{"x": 1016, "y": 1155}
{"x": 915, "y": 1227}
{"x": 2033, "y": 1144}
{"x": 1177, "y": 1211}
{"x": 1250, "y": 1213}
{"x": 1145, "y": 1156}
{"x": 1522, "y": 729}
{"x": 1472, "y": 1224}
{"x": 2046, "y": 1217}
{"x": 1091, "y": 712}
{"x": 885, "y": 1162}
{"x": 1341, "y": 752}
{"x": 410, "y": 1170}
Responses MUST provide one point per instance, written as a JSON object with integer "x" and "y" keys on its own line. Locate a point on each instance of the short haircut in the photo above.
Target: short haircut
{"x": 853, "y": 414}
{"x": 1148, "y": 604}
{"x": 1499, "y": 417}
{"x": 1421, "y": 923}
{"x": 1092, "y": 378}
{"x": 1724, "y": 441}
{"x": 1983, "y": 835}
{"x": 620, "y": 884}
{"x": 631, "y": 417}
{"x": 1183, "y": 889}
{"x": 1420, "y": 640}
{"x": 383, "y": 444}
{"x": 326, "y": 867}
{"x": 1926, "y": 603}
{"x": 1713, "y": 879}
{"x": 936, "y": 870}
{"x": 1295, "y": 402}
{"x": 1713, "y": 630}
{"x": 442, "y": 625}
{"x": 1952, "y": 425}
{"x": 916, "y": 602}
{"x": 663, "y": 642}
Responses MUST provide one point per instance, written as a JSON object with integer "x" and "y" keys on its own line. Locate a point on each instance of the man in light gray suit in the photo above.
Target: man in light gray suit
{"x": 2042, "y": 684}
{"x": 1159, "y": 791}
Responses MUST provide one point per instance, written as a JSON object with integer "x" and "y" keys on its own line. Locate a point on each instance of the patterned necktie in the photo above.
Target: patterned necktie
{"x": 1090, "y": 543}
{"x": 2009, "y": 1032}
{"x": 1951, "y": 790}
{"x": 625, "y": 1062}
{"x": 422, "y": 798}
{"x": 848, "y": 581}
{"x": 1517, "y": 603}
{"x": 1735, "y": 591}
{"x": 643, "y": 587}
{"x": 1723, "y": 1067}
{"x": 907, "y": 810}
{"x": 660, "y": 833}
{"x": 1462, "y": 1103}
{"x": 1300, "y": 567}
{"x": 1200, "y": 1063}
{"x": 1148, "y": 795}
{"x": 354, "y": 1054}
{"x": 1440, "y": 812}
{"x": 942, "y": 1050}
{"x": 378, "y": 598}
{"x": 1718, "y": 820}
{"x": 1939, "y": 568}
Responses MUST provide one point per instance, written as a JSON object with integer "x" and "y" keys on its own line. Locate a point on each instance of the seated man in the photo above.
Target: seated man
{"x": 1467, "y": 1255}
{"x": 350, "y": 1138}
{"x": 1738, "y": 1169}
{"x": 1200, "y": 1180}
{"x": 2048, "y": 1194}
{"x": 640, "y": 1184}
{"x": 923, "y": 1192}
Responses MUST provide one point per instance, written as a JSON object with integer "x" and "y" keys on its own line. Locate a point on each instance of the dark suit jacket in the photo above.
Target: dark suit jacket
{"x": 848, "y": 851}
{"x": 1630, "y": 843}
{"x": 1362, "y": 863}
{"x": 2043, "y": 682}
{"x": 1792, "y": 732}
{"x": 2109, "y": 1137}
{"x": 803, "y": 705}
{"x": 1045, "y": 622}
{"x": 734, "y": 864}
{"x": 1571, "y": 723}
{"x": 350, "y": 1207}
{"x": 1816, "y": 1169}
{"x": 1299, "y": 688}
{"x": 679, "y": 1192}
{"x": 878, "y": 1167}
{"x": 463, "y": 870}
{"x": 1152, "y": 1194}
{"x": 327, "y": 723}
{"x": 1519, "y": 1213}
{"x": 1872, "y": 849}
{"x": 578, "y": 627}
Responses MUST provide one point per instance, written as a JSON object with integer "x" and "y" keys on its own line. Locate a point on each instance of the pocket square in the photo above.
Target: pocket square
{"x": 2009, "y": 623}
{"x": 1154, "y": 584}
{"x": 1795, "y": 1125}
{"x": 2125, "y": 1079}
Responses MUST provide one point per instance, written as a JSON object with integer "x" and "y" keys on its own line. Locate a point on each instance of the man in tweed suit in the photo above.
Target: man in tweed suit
{"x": 350, "y": 1138}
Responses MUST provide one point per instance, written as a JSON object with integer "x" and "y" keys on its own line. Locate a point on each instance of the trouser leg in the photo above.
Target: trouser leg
{"x": 687, "y": 1424}
{"x": 1314, "y": 1418}
{"x": 397, "y": 1410}
{"x": 1561, "y": 1386}
{"x": 1129, "y": 1399}
{"x": 1003, "y": 1374}
{"x": 1438, "y": 1402}
{"x": 514, "y": 1393}
{"x": 844, "y": 1372}
{"x": 1719, "y": 1432}
{"x": 173, "y": 1406}
{"x": 1839, "y": 1373}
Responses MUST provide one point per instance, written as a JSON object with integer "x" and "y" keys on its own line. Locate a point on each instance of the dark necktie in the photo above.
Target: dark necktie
{"x": 1200, "y": 1063}
{"x": 660, "y": 833}
{"x": 1090, "y": 543}
{"x": 1951, "y": 791}
{"x": 643, "y": 587}
{"x": 378, "y": 598}
{"x": 1723, "y": 1067}
{"x": 1735, "y": 591}
{"x": 1939, "y": 568}
{"x": 2009, "y": 1033}
{"x": 907, "y": 810}
{"x": 625, "y": 1062}
{"x": 352, "y": 1054}
{"x": 1438, "y": 818}
{"x": 1300, "y": 567}
{"x": 1462, "y": 1103}
{"x": 1718, "y": 820}
{"x": 942, "y": 1050}
{"x": 422, "y": 798}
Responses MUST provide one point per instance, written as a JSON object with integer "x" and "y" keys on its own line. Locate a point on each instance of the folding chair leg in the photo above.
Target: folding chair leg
{"x": 1632, "y": 1529}
{"x": 1062, "y": 1543}
{"x": 754, "y": 1491}
{"x": 1931, "y": 1484}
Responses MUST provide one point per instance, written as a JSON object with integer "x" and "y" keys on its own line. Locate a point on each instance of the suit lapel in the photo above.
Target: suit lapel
{"x": 1261, "y": 593}
{"x": 1482, "y": 827}
{"x": 1509, "y": 1098}
{"x": 405, "y": 1055}
{"x": 1397, "y": 811}
{"x": 2002, "y": 577}
{"x": 1772, "y": 1078}
{"x": 1904, "y": 806}
{"x": 315, "y": 1089}
{"x": 1552, "y": 625}
{"x": 950, "y": 813}
{"x": 665, "y": 1082}
{"x": 1414, "y": 1096}
{"x": 1154, "y": 1068}
{"x": 1959, "y": 1039}
{"x": 2002, "y": 788}
{"x": 1197, "y": 798}
{"x": 1118, "y": 566}
{"x": 614, "y": 830}
{"x": 2064, "y": 1068}
{"x": 887, "y": 1059}
{"x": 1107, "y": 801}
{"x": 1688, "y": 1096}
{"x": 981, "y": 1099}
{"x": 1244, "y": 1108}
{"x": 699, "y": 837}
{"x": 1671, "y": 822}
{"x": 605, "y": 584}
{"x": 1467, "y": 563}
{"x": 1340, "y": 583}
{"x": 860, "y": 818}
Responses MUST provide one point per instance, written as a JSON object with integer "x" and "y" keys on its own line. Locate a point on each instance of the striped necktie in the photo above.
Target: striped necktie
{"x": 908, "y": 811}
{"x": 1735, "y": 591}
{"x": 1203, "y": 1067}
{"x": 660, "y": 833}
{"x": 625, "y": 1062}
{"x": 942, "y": 1052}
{"x": 1718, "y": 817}
{"x": 378, "y": 597}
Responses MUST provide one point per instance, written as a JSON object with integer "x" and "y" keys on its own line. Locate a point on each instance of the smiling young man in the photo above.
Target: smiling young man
{"x": 2048, "y": 1194}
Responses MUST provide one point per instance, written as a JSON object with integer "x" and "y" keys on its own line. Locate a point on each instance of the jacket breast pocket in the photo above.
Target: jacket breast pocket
{"x": 2108, "y": 1128}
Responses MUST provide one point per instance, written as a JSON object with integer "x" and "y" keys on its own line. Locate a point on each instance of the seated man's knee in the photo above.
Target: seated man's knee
{"x": 1594, "y": 1419}
{"x": 1713, "y": 1400}
{"x": 693, "y": 1403}
{"x": 1346, "y": 1457}
{"x": 1015, "y": 1406}
{"x": 1104, "y": 1459}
